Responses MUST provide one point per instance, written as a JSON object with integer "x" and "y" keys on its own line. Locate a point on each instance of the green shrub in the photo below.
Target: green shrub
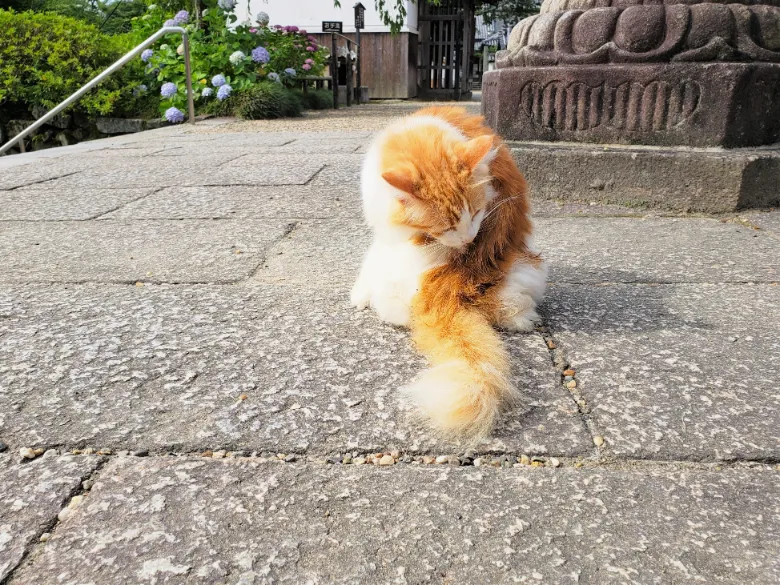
{"x": 319, "y": 99}
{"x": 46, "y": 57}
{"x": 268, "y": 100}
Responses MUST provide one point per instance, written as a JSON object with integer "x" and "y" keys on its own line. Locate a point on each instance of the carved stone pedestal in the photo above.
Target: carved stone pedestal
{"x": 671, "y": 73}
{"x": 690, "y": 104}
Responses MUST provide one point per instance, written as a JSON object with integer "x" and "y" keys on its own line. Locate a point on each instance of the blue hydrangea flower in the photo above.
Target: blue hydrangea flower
{"x": 146, "y": 55}
{"x": 223, "y": 92}
{"x": 260, "y": 55}
{"x": 237, "y": 57}
{"x": 168, "y": 90}
{"x": 227, "y": 4}
{"x": 169, "y": 22}
{"x": 182, "y": 17}
{"x": 290, "y": 71}
{"x": 273, "y": 77}
{"x": 218, "y": 80}
{"x": 174, "y": 115}
{"x": 207, "y": 92}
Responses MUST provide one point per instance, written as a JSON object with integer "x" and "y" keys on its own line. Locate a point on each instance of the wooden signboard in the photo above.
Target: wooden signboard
{"x": 332, "y": 26}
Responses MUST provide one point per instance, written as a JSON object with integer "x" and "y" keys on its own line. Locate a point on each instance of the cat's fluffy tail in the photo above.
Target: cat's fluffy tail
{"x": 468, "y": 382}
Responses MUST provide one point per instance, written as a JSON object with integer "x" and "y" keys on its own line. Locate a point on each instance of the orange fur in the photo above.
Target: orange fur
{"x": 457, "y": 304}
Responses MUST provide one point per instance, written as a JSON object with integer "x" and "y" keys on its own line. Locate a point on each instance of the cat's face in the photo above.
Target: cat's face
{"x": 443, "y": 191}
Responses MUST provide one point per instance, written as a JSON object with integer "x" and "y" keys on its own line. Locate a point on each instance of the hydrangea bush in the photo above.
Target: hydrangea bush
{"x": 227, "y": 58}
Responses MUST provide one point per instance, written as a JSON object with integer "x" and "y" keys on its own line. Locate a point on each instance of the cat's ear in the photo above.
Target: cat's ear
{"x": 477, "y": 151}
{"x": 401, "y": 180}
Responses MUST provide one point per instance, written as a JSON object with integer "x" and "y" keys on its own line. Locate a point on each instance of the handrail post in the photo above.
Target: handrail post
{"x": 102, "y": 76}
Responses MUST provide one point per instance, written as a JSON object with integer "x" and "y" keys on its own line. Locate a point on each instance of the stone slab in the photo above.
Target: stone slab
{"x": 324, "y": 254}
{"x": 699, "y": 180}
{"x": 675, "y": 372}
{"x": 163, "y": 367}
{"x": 170, "y": 174}
{"x": 31, "y": 496}
{"x": 175, "y": 521}
{"x": 658, "y": 250}
{"x": 46, "y": 205}
{"x": 241, "y": 202}
{"x": 664, "y": 104}
{"x": 130, "y": 251}
{"x": 29, "y": 174}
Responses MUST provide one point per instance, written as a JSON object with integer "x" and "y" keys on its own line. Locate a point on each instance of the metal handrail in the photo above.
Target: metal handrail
{"x": 123, "y": 61}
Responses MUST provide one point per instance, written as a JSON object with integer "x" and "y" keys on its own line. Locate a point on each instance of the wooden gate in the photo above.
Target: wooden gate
{"x": 446, "y": 34}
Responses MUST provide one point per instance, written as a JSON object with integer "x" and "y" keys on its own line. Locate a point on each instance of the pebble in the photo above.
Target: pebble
{"x": 395, "y": 454}
{"x": 207, "y": 454}
{"x": 218, "y": 455}
{"x": 346, "y": 460}
{"x": 75, "y": 501}
{"x": 64, "y": 514}
{"x": 525, "y": 460}
{"x": 598, "y": 440}
{"x": 537, "y": 464}
{"x": 554, "y": 462}
{"x": 454, "y": 461}
{"x": 517, "y": 465}
{"x": 441, "y": 459}
{"x": 466, "y": 460}
{"x": 290, "y": 458}
{"x": 386, "y": 460}
{"x": 89, "y": 451}
{"x": 568, "y": 378}
{"x": 104, "y": 452}
{"x": 27, "y": 453}
{"x": 427, "y": 459}
{"x": 333, "y": 460}
{"x": 241, "y": 453}
{"x": 568, "y": 372}
{"x": 358, "y": 461}
{"x": 3, "y": 447}
{"x": 571, "y": 384}
{"x": 141, "y": 453}
{"x": 477, "y": 462}
{"x": 45, "y": 537}
{"x": 551, "y": 344}
{"x": 38, "y": 451}
{"x": 406, "y": 459}
{"x": 87, "y": 484}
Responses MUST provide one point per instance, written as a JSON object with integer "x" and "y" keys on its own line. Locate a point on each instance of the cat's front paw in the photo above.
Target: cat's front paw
{"x": 524, "y": 322}
{"x": 360, "y": 297}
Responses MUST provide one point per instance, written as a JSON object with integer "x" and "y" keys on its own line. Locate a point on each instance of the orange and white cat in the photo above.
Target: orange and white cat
{"x": 452, "y": 257}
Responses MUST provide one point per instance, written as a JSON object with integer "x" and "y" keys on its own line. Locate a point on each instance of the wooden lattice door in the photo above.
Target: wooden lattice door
{"x": 446, "y": 44}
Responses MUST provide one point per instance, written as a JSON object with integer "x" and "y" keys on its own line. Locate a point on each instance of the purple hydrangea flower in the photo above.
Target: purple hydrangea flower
{"x": 223, "y": 92}
{"x": 306, "y": 66}
{"x": 260, "y": 55}
{"x": 168, "y": 90}
{"x": 174, "y": 115}
{"x": 182, "y": 17}
{"x": 207, "y": 92}
{"x": 273, "y": 76}
{"x": 169, "y": 22}
{"x": 218, "y": 80}
{"x": 309, "y": 61}
{"x": 310, "y": 49}
{"x": 290, "y": 71}
{"x": 146, "y": 55}
{"x": 292, "y": 29}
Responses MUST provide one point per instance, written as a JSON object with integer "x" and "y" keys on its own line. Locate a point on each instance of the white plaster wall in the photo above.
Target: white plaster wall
{"x": 309, "y": 14}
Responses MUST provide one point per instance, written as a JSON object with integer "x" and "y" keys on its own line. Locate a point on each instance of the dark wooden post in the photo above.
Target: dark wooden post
{"x": 334, "y": 72}
{"x": 357, "y": 66}
{"x": 349, "y": 74}
{"x": 360, "y": 22}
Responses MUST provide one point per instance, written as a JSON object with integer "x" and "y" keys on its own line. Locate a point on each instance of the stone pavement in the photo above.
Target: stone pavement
{"x": 177, "y": 345}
